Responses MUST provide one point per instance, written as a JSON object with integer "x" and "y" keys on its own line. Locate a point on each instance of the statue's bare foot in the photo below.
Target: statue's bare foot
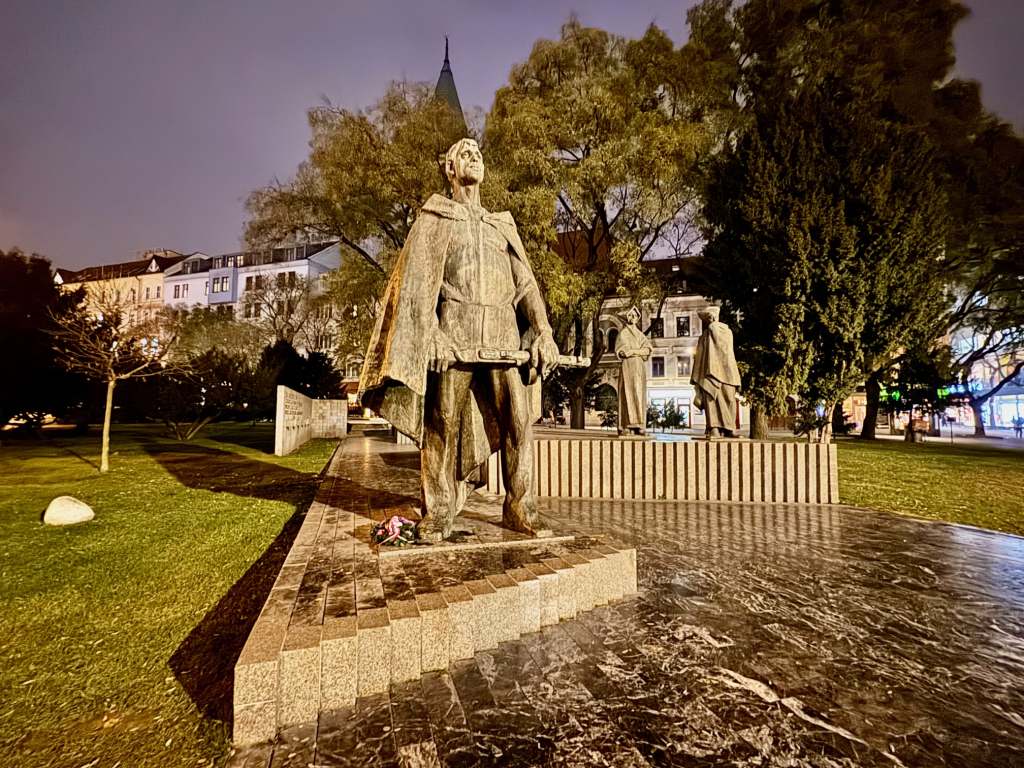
{"x": 713, "y": 433}
{"x": 519, "y": 520}
{"x": 428, "y": 530}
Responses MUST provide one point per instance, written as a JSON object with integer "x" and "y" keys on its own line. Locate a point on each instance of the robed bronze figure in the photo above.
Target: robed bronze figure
{"x": 633, "y": 348}
{"x": 461, "y": 313}
{"x": 715, "y": 375}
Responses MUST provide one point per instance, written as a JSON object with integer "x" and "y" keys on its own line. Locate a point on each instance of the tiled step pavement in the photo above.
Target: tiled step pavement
{"x": 344, "y": 621}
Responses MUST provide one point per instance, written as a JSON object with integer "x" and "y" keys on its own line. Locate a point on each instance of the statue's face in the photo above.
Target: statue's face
{"x": 468, "y": 163}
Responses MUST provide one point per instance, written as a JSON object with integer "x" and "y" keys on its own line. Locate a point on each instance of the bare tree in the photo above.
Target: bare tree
{"x": 99, "y": 341}
{"x": 281, "y": 304}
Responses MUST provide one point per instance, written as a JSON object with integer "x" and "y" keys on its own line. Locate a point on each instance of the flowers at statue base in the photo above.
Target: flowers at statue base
{"x": 396, "y": 531}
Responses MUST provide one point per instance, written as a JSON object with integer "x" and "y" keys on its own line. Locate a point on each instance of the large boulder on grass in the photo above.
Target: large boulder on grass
{"x": 67, "y": 510}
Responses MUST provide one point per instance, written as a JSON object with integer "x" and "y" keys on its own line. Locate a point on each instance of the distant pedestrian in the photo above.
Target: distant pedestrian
{"x": 1018, "y": 426}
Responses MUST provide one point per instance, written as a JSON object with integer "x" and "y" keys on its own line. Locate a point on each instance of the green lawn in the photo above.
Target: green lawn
{"x": 117, "y": 637}
{"x": 935, "y": 480}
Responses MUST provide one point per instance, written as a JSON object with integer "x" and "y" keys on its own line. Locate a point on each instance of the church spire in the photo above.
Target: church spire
{"x": 445, "y": 88}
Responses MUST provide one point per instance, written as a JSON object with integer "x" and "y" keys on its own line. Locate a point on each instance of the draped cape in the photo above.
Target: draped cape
{"x": 714, "y": 363}
{"x": 393, "y": 383}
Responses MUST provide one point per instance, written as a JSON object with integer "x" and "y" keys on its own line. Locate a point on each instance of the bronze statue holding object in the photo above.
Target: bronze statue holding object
{"x": 462, "y": 332}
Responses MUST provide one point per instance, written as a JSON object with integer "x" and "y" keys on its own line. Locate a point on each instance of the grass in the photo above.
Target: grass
{"x": 118, "y": 637}
{"x": 976, "y": 486}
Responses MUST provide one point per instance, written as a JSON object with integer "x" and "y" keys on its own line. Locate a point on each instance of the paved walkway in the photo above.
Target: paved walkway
{"x": 763, "y": 636}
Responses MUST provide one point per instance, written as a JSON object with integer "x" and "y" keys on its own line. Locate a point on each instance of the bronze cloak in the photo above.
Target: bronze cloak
{"x": 393, "y": 383}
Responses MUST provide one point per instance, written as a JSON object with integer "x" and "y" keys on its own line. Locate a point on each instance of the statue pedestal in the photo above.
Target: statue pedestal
{"x": 722, "y": 469}
{"x": 347, "y": 619}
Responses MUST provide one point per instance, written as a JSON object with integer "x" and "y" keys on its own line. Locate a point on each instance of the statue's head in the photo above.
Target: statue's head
{"x": 709, "y": 314}
{"x": 463, "y": 163}
{"x": 632, "y": 315}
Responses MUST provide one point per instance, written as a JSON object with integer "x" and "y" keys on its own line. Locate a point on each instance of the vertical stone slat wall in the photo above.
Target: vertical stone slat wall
{"x": 298, "y": 419}
{"x": 803, "y": 473}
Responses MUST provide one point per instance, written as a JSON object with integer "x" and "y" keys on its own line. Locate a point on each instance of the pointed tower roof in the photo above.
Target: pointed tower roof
{"x": 445, "y": 88}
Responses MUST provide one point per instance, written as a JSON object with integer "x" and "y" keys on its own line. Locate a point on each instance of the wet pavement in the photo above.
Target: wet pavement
{"x": 763, "y": 635}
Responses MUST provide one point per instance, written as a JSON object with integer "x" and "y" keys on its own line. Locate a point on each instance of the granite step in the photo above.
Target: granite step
{"x": 346, "y": 620}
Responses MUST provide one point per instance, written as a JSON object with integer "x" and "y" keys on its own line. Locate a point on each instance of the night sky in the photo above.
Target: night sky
{"x": 135, "y": 124}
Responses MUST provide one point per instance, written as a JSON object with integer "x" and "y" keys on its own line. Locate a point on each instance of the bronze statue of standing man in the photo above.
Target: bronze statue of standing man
{"x": 633, "y": 348}
{"x": 460, "y": 310}
{"x": 715, "y": 375}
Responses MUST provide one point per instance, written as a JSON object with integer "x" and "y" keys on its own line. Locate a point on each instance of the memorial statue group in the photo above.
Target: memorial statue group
{"x": 463, "y": 336}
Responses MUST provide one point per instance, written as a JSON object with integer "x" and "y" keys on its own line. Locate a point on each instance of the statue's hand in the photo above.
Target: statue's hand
{"x": 544, "y": 353}
{"x": 442, "y": 353}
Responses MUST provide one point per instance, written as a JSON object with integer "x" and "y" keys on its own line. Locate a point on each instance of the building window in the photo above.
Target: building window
{"x": 177, "y": 291}
{"x": 147, "y": 294}
{"x": 248, "y": 282}
{"x": 657, "y": 327}
{"x": 292, "y": 279}
{"x": 158, "y": 291}
{"x": 657, "y": 367}
{"x": 184, "y": 291}
{"x": 683, "y": 366}
{"x": 613, "y": 338}
{"x": 206, "y": 287}
{"x": 682, "y": 325}
{"x": 131, "y": 295}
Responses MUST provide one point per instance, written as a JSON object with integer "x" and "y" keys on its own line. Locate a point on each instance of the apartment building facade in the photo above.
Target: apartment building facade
{"x": 228, "y": 281}
{"x": 136, "y": 287}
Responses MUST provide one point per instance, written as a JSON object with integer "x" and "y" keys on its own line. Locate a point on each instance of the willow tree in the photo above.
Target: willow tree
{"x": 367, "y": 174}
{"x": 594, "y": 144}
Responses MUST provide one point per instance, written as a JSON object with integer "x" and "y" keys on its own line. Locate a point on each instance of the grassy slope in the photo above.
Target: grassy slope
{"x": 973, "y": 485}
{"x": 98, "y": 653}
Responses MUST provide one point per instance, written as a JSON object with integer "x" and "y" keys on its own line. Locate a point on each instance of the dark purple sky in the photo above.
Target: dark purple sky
{"x": 135, "y": 124}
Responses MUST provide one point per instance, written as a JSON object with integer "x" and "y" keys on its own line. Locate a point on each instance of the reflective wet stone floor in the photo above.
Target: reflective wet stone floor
{"x": 762, "y": 636}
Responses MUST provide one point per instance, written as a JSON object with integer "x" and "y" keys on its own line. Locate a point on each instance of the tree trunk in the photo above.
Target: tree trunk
{"x": 873, "y": 390}
{"x": 825, "y": 433}
{"x": 107, "y": 411}
{"x": 758, "y": 423}
{"x": 838, "y": 420}
{"x": 979, "y": 420}
{"x": 577, "y": 409}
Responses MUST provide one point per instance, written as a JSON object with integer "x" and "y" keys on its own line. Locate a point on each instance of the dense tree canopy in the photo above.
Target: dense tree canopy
{"x": 595, "y": 145}
{"x": 29, "y": 300}
{"x": 862, "y": 89}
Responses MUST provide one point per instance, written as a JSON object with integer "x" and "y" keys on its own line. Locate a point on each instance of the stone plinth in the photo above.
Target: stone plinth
{"x": 345, "y": 620}
{"x": 299, "y": 419}
{"x": 718, "y": 470}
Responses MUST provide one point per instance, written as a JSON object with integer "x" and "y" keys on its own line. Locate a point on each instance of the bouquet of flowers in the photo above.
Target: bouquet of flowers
{"x": 396, "y": 531}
